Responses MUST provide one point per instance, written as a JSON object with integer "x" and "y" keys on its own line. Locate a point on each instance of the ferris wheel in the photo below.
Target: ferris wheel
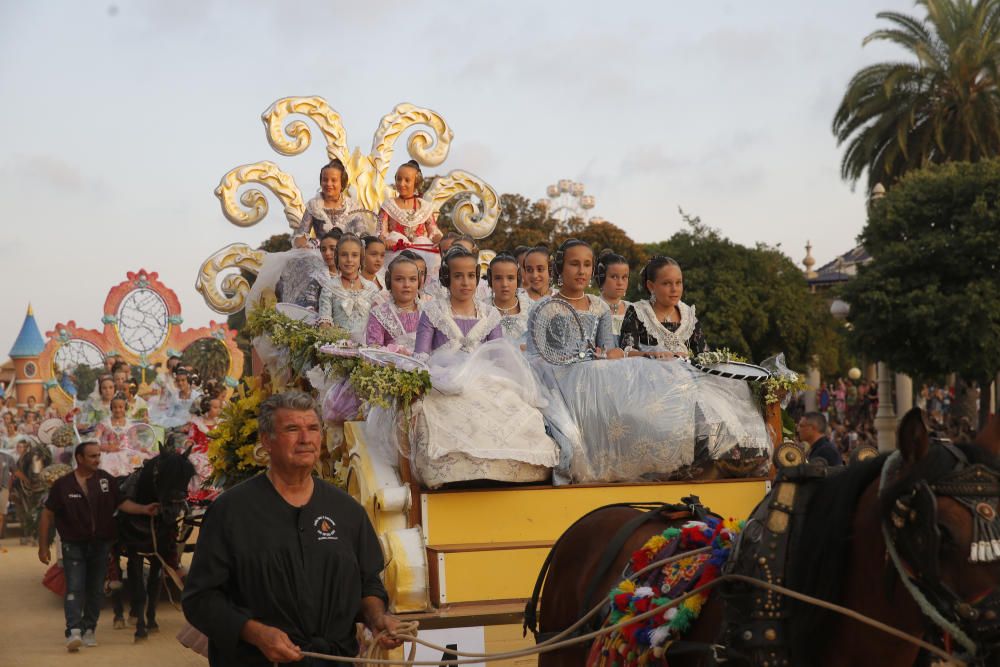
{"x": 568, "y": 199}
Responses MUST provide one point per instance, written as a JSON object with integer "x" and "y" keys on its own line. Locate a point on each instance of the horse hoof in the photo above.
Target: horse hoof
{"x": 119, "y": 623}
{"x": 152, "y": 627}
{"x": 140, "y": 637}
{"x": 132, "y": 621}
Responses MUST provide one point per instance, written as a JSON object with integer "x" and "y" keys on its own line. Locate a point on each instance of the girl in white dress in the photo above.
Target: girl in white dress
{"x": 537, "y": 280}
{"x": 504, "y": 279}
{"x": 346, "y": 299}
{"x": 328, "y": 209}
{"x": 611, "y": 275}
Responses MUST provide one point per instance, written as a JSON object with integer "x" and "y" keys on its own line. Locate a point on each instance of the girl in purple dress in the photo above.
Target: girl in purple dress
{"x": 393, "y": 324}
{"x": 457, "y": 322}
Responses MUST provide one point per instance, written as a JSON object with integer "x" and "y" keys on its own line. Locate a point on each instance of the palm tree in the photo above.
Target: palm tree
{"x": 899, "y": 116}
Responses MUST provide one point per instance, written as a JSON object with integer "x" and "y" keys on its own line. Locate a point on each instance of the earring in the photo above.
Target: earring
{"x": 559, "y": 282}
{"x": 652, "y": 299}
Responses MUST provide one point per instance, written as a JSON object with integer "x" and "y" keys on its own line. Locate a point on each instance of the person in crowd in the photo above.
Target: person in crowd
{"x": 138, "y": 408}
{"x": 119, "y": 455}
{"x": 206, "y": 412}
{"x": 444, "y": 245}
{"x": 611, "y": 275}
{"x": 394, "y": 322}
{"x": 812, "y": 433}
{"x": 121, "y": 373}
{"x": 406, "y": 220}
{"x": 537, "y": 281}
{"x": 96, "y": 409}
{"x": 458, "y": 321}
{"x": 328, "y": 209}
{"x": 82, "y": 504}
{"x": 840, "y": 398}
{"x": 519, "y": 253}
{"x": 30, "y": 424}
{"x": 312, "y": 542}
{"x": 9, "y": 431}
{"x": 346, "y": 299}
{"x": 922, "y": 397}
{"x": 504, "y": 279}
{"x": 374, "y": 260}
{"x": 662, "y": 325}
{"x": 173, "y": 410}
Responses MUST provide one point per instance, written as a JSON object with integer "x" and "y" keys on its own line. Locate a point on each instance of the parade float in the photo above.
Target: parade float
{"x": 457, "y": 555}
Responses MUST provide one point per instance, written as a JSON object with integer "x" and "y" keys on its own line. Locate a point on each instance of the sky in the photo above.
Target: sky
{"x": 119, "y": 118}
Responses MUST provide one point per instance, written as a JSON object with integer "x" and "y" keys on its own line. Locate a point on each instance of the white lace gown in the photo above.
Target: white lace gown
{"x": 481, "y": 420}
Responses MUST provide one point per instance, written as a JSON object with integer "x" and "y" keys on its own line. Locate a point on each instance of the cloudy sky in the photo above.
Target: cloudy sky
{"x": 120, "y": 117}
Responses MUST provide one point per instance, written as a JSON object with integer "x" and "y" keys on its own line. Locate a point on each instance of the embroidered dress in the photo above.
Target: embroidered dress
{"x": 388, "y": 325}
{"x": 617, "y": 317}
{"x": 633, "y": 420}
{"x": 198, "y": 431}
{"x": 440, "y": 328}
{"x": 642, "y": 330}
{"x": 347, "y": 308}
{"x": 321, "y": 220}
{"x": 482, "y": 419}
{"x": 173, "y": 410}
{"x": 402, "y": 228}
{"x": 119, "y": 457}
{"x": 514, "y": 325}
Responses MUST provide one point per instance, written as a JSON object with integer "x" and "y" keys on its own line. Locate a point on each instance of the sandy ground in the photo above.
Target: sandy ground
{"x": 32, "y": 624}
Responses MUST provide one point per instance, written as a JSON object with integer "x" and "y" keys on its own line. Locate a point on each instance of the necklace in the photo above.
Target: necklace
{"x": 334, "y": 204}
{"x": 506, "y": 312}
{"x": 406, "y": 308}
{"x": 571, "y": 298}
{"x": 612, "y": 306}
{"x": 351, "y": 282}
{"x": 455, "y": 315}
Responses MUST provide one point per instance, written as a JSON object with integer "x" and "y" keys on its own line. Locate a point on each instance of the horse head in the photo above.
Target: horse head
{"x": 941, "y": 523}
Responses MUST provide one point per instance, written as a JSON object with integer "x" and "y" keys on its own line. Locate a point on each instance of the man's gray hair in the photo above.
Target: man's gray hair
{"x": 817, "y": 419}
{"x": 287, "y": 400}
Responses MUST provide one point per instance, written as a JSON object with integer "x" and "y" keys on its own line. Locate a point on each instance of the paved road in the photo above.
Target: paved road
{"x": 32, "y": 624}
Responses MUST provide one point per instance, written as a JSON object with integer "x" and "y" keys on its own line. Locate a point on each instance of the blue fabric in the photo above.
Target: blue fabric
{"x": 85, "y": 565}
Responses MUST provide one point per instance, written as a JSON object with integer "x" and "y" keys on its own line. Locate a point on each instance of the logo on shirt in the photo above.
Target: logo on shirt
{"x": 104, "y": 485}
{"x": 325, "y": 528}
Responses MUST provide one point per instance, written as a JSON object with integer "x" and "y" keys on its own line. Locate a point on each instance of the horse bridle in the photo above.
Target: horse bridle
{"x": 912, "y": 536}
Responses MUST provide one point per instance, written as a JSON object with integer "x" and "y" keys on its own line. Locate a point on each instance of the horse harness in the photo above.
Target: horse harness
{"x": 913, "y": 539}
{"x": 690, "y": 508}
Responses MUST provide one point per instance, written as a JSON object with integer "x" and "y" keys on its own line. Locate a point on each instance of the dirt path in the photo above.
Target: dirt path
{"x": 32, "y": 624}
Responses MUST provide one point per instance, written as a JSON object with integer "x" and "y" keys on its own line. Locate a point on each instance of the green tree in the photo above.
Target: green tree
{"x": 944, "y": 106}
{"x": 522, "y": 222}
{"x": 752, "y": 300}
{"x": 929, "y": 302}
{"x": 208, "y": 357}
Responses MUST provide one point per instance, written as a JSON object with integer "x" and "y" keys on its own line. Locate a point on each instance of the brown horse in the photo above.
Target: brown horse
{"x": 842, "y": 543}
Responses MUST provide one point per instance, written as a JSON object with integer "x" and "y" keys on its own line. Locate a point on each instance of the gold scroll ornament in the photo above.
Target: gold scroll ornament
{"x": 476, "y": 210}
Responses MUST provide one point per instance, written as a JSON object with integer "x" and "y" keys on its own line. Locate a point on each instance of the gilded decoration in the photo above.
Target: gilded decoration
{"x": 476, "y": 204}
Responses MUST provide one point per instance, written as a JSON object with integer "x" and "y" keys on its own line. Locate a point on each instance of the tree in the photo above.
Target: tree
{"x": 899, "y": 116}
{"x": 753, "y": 301}
{"x": 929, "y": 302}
{"x": 522, "y": 223}
{"x": 208, "y": 357}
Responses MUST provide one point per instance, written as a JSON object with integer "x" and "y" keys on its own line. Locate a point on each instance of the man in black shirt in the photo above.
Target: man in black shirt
{"x": 812, "y": 432}
{"x": 83, "y": 504}
{"x": 286, "y": 562}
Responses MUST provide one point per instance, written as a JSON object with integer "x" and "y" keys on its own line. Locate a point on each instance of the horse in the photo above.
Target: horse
{"x": 29, "y": 486}
{"x": 162, "y": 479}
{"x": 840, "y": 556}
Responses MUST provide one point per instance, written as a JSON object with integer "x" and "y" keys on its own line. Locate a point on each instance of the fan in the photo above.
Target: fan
{"x": 360, "y": 223}
{"x": 387, "y": 358}
{"x": 142, "y": 437}
{"x": 47, "y": 429}
{"x": 735, "y": 370}
{"x": 558, "y": 334}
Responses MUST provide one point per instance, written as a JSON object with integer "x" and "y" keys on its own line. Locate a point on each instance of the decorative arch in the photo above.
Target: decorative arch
{"x": 142, "y": 325}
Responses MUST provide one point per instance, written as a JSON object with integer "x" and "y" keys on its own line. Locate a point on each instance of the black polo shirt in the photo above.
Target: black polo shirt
{"x": 84, "y": 517}
{"x": 301, "y": 569}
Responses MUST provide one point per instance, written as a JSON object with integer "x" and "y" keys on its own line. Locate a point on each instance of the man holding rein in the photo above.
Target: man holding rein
{"x": 286, "y": 562}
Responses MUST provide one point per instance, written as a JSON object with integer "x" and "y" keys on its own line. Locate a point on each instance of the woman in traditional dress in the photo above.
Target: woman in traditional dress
{"x": 119, "y": 456}
{"x": 537, "y": 281}
{"x": 504, "y": 279}
{"x": 393, "y": 324}
{"x": 458, "y": 322}
{"x": 406, "y": 220}
{"x": 482, "y": 419}
{"x": 663, "y": 324}
{"x": 374, "y": 260}
{"x": 96, "y": 409}
{"x": 174, "y": 410}
{"x": 206, "y": 413}
{"x": 345, "y": 300}
{"x": 612, "y": 279}
{"x": 328, "y": 209}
